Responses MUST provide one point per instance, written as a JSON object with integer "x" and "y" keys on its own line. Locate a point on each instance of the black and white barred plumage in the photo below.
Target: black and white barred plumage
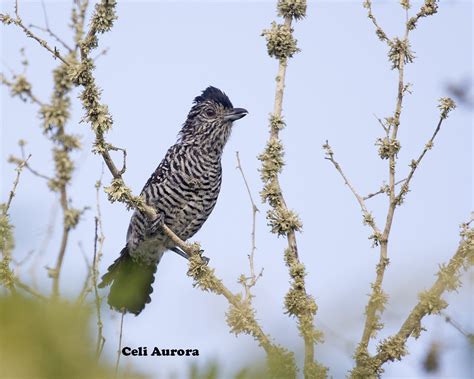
{"x": 183, "y": 190}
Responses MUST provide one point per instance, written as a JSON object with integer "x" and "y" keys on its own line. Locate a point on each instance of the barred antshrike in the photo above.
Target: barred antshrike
{"x": 183, "y": 190}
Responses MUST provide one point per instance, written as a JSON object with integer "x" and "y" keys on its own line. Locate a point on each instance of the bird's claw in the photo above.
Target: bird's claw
{"x": 156, "y": 224}
{"x": 205, "y": 259}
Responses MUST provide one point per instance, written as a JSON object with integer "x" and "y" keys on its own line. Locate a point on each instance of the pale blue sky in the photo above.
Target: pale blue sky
{"x": 162, "y": 54}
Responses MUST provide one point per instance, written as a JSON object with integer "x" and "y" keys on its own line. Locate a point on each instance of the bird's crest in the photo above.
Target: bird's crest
{"x": 214, "y": 94}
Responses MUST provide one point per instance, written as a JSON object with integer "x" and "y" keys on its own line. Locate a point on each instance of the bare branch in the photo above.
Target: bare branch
{"x": 119, "y": 350}
{"x": 19, "y": 168}
{"x": 52, "y": 34}
{"x": 383, "y": 189}
{"x": 459, "y": 328}
{"x": 368, "y": 219}
{"x": 250, "y": 282}
{"x": 18, "y": 22}
{"x": 101, "y": 54}
{"x": 55, "y": 273}
{"x": 98, "y": 245}
{"x": 415, "y": 163}
{"x": 30, "y": 290}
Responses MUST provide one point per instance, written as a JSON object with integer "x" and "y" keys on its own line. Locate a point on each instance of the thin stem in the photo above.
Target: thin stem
{"x": 414, "y": 165}
{"x": 253, "y": 277}
{"x": 52, "y": 34}
{"x": 55, "y": 52}
{"x": 95, "y": 271}
{"x": 381, "y": 190}
{"x": 359, "y": 198}
{"x": 458, "y": 327}
{"x": 30, "y": 290}
{"x": 119, "y": 351}
{"x": 62, "y": 249}
{"x": 15, "y": 184}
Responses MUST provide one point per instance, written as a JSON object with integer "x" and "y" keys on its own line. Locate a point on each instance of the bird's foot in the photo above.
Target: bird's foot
{"x": 205, "y": 259}
{"x": 181, "y": 253}
{"x": 156, "y": 224}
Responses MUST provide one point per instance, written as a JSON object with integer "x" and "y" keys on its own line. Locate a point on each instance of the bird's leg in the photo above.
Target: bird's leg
{"x": 181, "y": 253}
{"x": 155, "y": 225}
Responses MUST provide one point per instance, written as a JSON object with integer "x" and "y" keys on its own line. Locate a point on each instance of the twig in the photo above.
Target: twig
{"x": 378, "y": 30}
{"x": 384, "y": 189}
{"x": 25, "y": 259}
{"x": 79, "y": 23}
{"x": 27, "y": 91}
{"x": 459, "y": 328}
{"x": 430, "y": 302}
{"x": 382, "y": 124}
{"x": 27, "y": 165}
{"x": 55, "y": 273}
{"x": 250, "y": 282}
{"x": 29, "y": 289}
{"x": 85, "y": 287}
{"x": 119, "y": 351}
{"x": 359, "y": 198}
{"x": 52, "y": 34}
{"x": 15, "y": 184}
{"x": 102, "y": 53}
{"x": 98, "y": 243}
{"x": 414, "y": 164}
{"x": 100, "y": 337}
{"x": 7, "y": 276}
{"x": 18, "y": 22}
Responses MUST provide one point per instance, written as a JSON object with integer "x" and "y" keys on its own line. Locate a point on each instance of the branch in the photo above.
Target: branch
{"x": 248, "y": 283}
{"x": 282, "y": 45}
{"x": 55, "y": 273}
{"x": 119, "y": 350}
{"x": 48, "y": 30}
{"x": 52, "y": 34}
{"x": 18, "y": 169}
{"x": 20, "y": 87}
{"x": 430, "y": 301}
{"x": 6, "y": 19}
{"x": 399, "y": 54}
{"x": 459, "y": 328}
{"x": 378, "y": 30}
{"x": 30, "y": 290}
{"x": 7, "y": 276}
{"x": 368, "y": 218}
{"x": 383, "y": 189}
{"x": 98, "y": 246}
{"x": 415, "y": 163}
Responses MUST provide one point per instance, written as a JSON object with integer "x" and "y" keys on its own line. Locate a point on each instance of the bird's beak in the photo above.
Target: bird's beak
{"x": 235, "y": 114}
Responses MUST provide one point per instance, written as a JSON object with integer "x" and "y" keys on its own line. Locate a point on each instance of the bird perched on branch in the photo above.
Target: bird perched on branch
{"x": 183, "y": 190}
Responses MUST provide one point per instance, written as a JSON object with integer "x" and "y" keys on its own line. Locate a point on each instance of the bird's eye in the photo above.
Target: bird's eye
{"x": 210, "y": 113}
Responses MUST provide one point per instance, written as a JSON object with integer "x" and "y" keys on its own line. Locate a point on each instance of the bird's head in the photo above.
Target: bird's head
{"x": 209, "y": 122}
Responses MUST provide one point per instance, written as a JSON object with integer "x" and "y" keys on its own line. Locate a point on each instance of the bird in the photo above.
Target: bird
{"x": 183, "y": 191}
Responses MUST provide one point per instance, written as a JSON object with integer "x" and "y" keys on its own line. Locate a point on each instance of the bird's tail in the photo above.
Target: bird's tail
{"x": 131, "y": 283}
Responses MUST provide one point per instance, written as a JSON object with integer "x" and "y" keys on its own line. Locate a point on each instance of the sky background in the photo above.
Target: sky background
{"x": 163, "y": 54}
